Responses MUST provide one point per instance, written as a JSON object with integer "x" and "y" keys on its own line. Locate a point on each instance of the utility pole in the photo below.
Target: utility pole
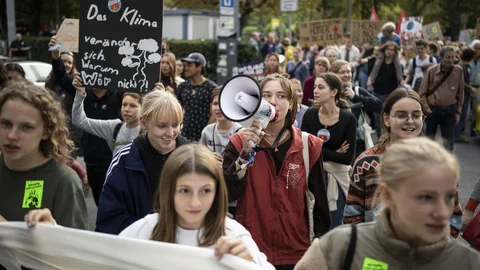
{"x": 349, "y": 16}
{"x": 11, "y": 24}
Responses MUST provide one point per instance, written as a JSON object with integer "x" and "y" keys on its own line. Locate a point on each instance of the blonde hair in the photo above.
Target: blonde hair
{"x": 388, "y": 28}
{"x": 337, "y": 65}
{"x": 406, "y": 158}
{"x": 172, "y": 64}
{"x": 190, "y": 158}
{"x": 57, "y": 144}
{"x": 161, "y": 105}
{"x": 296, "y": 82}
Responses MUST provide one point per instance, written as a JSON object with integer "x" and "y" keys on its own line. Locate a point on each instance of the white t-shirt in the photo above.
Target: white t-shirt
{"x": 143, "y": 228}
{"x": 418, "y": 66}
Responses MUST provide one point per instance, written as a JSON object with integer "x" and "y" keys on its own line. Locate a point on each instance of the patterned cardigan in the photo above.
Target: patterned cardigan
{"x": 363, "y": 206}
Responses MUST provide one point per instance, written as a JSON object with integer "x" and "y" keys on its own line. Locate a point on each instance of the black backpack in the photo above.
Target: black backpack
{"x": 116, "y": 131}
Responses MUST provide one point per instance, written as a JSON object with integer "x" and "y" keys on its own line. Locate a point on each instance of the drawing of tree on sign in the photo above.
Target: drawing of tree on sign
{"x": 148, "y": 55}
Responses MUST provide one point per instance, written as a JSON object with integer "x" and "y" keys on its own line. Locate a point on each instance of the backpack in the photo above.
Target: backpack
{"x": 414, "y": 66}
{"x": 116, "y": 131}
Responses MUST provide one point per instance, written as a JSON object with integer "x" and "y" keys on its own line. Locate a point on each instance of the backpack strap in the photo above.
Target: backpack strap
{"x": 306, "y": 157}
{"x": 430, "y": 59}
{"x": 116, "y": 131}
{"x": 414, "y": 64}
{"x": 347, "y": 265}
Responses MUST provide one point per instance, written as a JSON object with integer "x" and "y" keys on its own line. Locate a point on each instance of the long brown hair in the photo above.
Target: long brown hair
{"x": 57, "y": 144}
{"x": 393, "y": 98}
{"x": 334, "y": 82}
{"x": 268, "y": 71}
{"x": 190, "y": 158}
{"x": 172, "y": 64}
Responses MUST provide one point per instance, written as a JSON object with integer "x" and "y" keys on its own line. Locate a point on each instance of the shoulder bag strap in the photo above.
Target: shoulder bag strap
{"x": 351, "y": 248}
{"x": 444, "y": 78}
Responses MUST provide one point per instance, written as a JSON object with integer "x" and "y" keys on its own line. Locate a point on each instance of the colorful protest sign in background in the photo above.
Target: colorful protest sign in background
{"x": 432, "y": 32}
{"x": 56, "y": 247}
{"x": 120, "y": 44}
{"x": 67, "y": 35}
{"x": 365, "y": 31}
{"x": 323, "y": 32}
{"x": 411, "y": 28}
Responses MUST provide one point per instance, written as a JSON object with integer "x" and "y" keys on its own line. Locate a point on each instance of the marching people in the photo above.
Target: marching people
{"x": 34, "y": 146}
{"x": 361, "y": 101}
{"x": 301, "y": 109}
{"x": 116, "y": 132}
{"x": 98, "y": 104}
{"x": 190, "y": 208}
{"x": 272, "y": 65}
{"x": 386, "y": 75}
{"x": 419, "y": 64}
{"x": 442, "y": 92}
{"x": 322, "y": 65}
{"x": 349, "y": 53}
{"x": 466, "y": 58}
{"x": 475, "y": 83}
{"x": 274, "y": 175}
{"x": 332, "y": 121}
{"x": 296, "y": 68}
{"x": 403, "y": 118}
{"x": 134, "y": 174}
{"x": 195, "y": 95}
{"x": 168, "y": 72}
{"x": 418, "y": 186}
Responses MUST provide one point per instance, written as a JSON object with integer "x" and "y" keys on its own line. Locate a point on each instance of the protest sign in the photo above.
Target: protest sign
{"x": 323, "y": 32}
{"x": 67, "y": 35}
{"x": 365, "y": 31}
{"x": 120, "y": 44}
{"x": 57, "y": 247}
{"x": 411, "y": 28}
{"x": 256, "y": 70}
{"x": 478, "y": 27}
{"x": 432, "y": 32}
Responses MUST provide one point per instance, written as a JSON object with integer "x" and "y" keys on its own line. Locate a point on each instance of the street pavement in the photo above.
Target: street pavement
{"x": 468, "y": 156}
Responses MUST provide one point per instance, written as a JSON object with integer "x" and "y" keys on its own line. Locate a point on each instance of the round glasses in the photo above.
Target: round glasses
{"x": 402, "y": 117}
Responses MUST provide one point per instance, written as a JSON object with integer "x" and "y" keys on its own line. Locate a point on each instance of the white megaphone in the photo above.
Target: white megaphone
{"x": 241, "y": 101}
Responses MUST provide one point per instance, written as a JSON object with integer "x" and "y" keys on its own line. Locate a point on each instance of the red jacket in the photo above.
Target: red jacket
{"x": 308, "y": 87}
{"x": 273, "y": 208}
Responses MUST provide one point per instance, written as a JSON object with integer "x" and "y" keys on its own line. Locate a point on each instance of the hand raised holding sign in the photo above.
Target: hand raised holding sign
{"x": 52, "y": 46}
{"x": 78, "y": 83}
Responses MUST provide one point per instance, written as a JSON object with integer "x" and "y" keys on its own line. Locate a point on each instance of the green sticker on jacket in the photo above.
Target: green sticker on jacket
{"x": 371, "y": 264}
{"x": 33, "y": 195}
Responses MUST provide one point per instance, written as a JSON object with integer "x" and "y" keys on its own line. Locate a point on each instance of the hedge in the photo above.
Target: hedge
{"x": 181, "y": 48}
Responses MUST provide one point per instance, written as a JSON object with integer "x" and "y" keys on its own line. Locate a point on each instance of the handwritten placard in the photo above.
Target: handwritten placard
{"x": 67, "y": 35}
{"x": 323, "y": 32}
{"x": 256, "y": 70}
{"x": 432, "y": 31}
{"x": 120, "y": 44}
{"x": 365, "y": 31}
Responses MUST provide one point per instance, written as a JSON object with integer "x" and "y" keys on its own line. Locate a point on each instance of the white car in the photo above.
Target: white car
{"x": 35, "y": 71}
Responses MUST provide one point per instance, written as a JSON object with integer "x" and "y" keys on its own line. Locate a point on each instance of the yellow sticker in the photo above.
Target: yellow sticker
{"x": 371, "y": 264}
{"x": 33, "y": 195}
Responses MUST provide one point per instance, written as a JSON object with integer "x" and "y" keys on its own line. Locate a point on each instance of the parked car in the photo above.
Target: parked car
{"x": 35, "y": 71}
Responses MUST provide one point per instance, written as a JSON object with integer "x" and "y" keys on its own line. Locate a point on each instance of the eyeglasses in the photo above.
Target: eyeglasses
{"x": 402, "y": 117}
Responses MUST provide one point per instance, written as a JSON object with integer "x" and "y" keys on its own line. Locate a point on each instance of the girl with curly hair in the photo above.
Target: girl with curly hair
{"x": 34, "y": 146}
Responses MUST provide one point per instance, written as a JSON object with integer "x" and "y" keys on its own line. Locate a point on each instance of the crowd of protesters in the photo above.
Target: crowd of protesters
{"x": 309, "y": 190}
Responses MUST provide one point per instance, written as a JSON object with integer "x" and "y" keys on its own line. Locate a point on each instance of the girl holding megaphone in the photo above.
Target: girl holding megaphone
{"x": 271, "y": 189}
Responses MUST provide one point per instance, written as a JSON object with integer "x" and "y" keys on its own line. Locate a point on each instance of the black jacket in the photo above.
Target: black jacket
{"x": 95, "y": 149}
{"x": 366, "y": 101}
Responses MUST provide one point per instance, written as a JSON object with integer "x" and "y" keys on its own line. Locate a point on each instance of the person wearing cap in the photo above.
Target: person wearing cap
{"x": 195, "y": 94}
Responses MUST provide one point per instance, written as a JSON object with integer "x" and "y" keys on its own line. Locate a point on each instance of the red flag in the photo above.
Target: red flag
{"x": 399, "y": 23}
{"x": 373, "y": 15}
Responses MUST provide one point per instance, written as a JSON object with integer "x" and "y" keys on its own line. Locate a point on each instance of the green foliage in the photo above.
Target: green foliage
{"x": 181, "y": 49}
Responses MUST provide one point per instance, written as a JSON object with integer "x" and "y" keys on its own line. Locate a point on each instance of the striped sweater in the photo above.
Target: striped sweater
{"x": 363, "y": 207}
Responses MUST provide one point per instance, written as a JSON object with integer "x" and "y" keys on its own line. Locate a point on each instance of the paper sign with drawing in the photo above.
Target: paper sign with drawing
{"x": 120, "y": 44}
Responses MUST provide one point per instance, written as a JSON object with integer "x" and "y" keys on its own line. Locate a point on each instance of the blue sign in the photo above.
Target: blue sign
{"x": 227, "y": 3}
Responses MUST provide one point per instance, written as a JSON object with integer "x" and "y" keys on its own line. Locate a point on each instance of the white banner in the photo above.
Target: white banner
{"x": 55, "y": 247}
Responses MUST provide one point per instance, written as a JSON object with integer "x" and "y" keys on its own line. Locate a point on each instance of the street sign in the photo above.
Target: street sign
{"x": 227, "y": 7}
{"x": 227, "y": 22}
{"x": 288, "y": 5}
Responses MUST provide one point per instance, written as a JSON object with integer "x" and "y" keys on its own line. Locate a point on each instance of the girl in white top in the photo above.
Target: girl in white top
{"x": 193, "y": 192}
{"x": 114, "y": 131}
